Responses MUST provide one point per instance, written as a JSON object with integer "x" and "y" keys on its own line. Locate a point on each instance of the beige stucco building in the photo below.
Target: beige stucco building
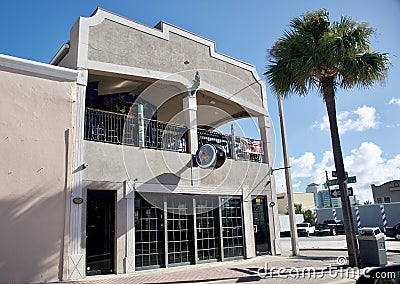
{"x": 133, "y": 158}
{"x": 387, "y": 192}
{"x": 305, "y": 199}
{"x": 37, "y": 130}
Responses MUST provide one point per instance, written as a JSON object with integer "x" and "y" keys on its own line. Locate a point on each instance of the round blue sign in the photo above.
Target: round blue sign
{"x": 205, "y": 156}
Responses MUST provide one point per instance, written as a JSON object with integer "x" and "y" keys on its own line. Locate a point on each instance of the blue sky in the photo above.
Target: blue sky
{"x": 369, "y": 119}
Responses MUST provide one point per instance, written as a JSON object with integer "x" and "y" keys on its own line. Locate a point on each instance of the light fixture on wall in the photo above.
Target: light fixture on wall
{"x": 212, "y": 102}
{"x": 77, "y": 200}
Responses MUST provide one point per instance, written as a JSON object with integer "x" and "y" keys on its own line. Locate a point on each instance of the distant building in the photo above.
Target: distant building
{"x": 305, "y": 199}
{"x": 314, "y": 188}
{"x": 387, "y": 192}
{"x": 322, "y": 197}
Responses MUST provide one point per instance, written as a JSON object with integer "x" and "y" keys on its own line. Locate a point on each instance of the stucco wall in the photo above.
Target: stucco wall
{"x": 305, "y": 199}
{"x": 154, "y": 168}
{"x": 112, "y": 42}
{"x": 35, "y": 114}
{"x": 389, "y": 189}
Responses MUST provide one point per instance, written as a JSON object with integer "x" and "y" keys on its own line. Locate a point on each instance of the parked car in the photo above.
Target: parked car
{"x": 393, "y": 232}
{"x": 332, "y": 227}
{"x": 284, "y": 223}
{"x": 305, "y": 229}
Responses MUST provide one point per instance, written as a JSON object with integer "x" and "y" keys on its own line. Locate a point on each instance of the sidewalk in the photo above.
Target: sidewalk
{"x": 238, "y": 271}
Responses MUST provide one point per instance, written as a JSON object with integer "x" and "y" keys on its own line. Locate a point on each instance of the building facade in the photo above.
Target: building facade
{"x": 314, "y": 188}
{"x": 305, "y": 199}
{"x": 37, "y": 126}
{"x": 387, "y": 192}
{"x": 154, "y": 183}
{"x": 321, "y": 195}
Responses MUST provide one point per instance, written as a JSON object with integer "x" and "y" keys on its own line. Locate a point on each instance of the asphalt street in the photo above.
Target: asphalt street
{"x": 333, "y": 246}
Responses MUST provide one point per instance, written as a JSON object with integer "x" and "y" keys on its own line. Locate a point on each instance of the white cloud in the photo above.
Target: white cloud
{"x": 303, "y": 166}
{"x": 365, "y": 162}
{"x": 394, "y": 101}
{"x": 280, "y": 182}
{"x": 370, "y": 167}
{"x": 361, "y": 119}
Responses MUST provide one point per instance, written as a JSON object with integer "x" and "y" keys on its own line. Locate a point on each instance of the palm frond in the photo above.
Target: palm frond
{"x": 314, "y": 51}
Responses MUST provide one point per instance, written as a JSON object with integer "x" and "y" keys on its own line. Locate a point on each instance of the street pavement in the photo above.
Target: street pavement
{"x": 337, "y": 242}
{"x": 316, "y": 264}
{"x": 264, "y": 269}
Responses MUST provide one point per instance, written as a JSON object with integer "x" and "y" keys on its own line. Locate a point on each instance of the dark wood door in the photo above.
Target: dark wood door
{"x": 100, "y": 232}
{"x": 261, "y": 228}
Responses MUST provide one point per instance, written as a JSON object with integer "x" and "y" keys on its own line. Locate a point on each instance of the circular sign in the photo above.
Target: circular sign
{"x": 205, "y": 156}
{"x": 210, "y": 155}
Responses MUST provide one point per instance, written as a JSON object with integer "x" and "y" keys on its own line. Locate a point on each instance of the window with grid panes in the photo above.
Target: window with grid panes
{"x": 207, "y": 224}
{"x": 149, "y": 233}
{"x": 232, "y": 230}
{"x": 180, "y": 231}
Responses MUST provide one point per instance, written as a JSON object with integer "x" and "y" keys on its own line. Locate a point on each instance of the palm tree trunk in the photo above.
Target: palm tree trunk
{"x": 352, "y": 244}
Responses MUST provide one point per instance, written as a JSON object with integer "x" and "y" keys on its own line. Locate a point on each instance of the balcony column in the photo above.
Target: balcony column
{"x": 264, "y": 124}
{"x": 190, "y": 114}
{"x": 129, "y": 195}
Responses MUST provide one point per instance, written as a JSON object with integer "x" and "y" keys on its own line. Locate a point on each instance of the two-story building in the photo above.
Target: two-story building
{"x": 163, "y": 169}
{"x": 387, "y": 192}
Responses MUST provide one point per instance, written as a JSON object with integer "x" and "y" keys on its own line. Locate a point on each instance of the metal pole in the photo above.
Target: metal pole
{"x": 292, "y": 219}
{"x": 349, "y": 220}
{"x": 329, "y": 190}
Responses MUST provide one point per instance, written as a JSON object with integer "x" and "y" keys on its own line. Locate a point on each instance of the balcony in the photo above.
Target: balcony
{"x": 109, "y": 127}
{"x": 115, "y": 128}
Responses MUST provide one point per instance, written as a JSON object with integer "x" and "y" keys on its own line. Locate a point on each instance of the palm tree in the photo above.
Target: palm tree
{"x": 316, "y": 54}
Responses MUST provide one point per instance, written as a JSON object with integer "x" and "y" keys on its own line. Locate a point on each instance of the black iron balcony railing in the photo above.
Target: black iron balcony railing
{"x": 165, "y": 136}
{"x": 243, "y": 149}
{"x": 109, "y": 127}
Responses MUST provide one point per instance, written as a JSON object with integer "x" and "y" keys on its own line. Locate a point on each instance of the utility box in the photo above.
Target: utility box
{"x": 372, "y": 246}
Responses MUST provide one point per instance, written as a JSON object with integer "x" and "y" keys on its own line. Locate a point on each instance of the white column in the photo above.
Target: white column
{"x": 250, "y": 245}
{"x": 190, "y": 111}
{"x": 264, "y": 124}
{"x": 76, "y": 267}
{"x": 129, "y": 195}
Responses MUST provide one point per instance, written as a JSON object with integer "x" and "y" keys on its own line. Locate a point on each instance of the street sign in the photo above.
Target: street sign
{"x": 351, "y": 179}
{"x": 332, "y": 182}
{"x": 334, "y": 174}
{"x": 336, "y": 192}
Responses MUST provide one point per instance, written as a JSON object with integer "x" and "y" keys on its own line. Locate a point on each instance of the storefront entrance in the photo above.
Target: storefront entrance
{"x": 100, "y": 232}
{"x": 261, "y": 228}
